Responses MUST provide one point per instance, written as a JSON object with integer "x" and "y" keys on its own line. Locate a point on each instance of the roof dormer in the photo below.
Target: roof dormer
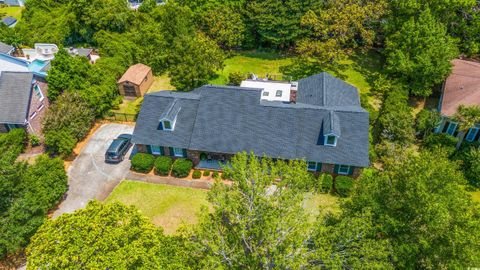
{"x": 331, "y": 129}
{"x": 168, "y": 119}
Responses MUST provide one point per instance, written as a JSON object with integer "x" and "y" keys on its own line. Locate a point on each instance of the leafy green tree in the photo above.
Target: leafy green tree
{"x": 37, "y": 189}
{"x": 67, "y": 74}
{"x": 470, "y": 157}
{"x": 255, "y": 224}
{"x": 467, "y": 117}
{"x": 276, "y": 23}
{"x": 419, "y": 53}
{"x": 224, "y": 25}
{"x": 419, "y": 204}
{"x": 103, "y": 236}
{"x": 193, "y": 62}
{"x": 236, "y": 78}
{"x": 426, "y": 121}
{"x": 66, "y": 122}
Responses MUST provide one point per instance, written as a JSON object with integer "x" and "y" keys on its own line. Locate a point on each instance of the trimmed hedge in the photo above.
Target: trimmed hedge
{"x": 326, "y": 182}
{"x": 206, "y": 173}
{"x": 215, "y": 174}
{"x": 163, "y": 165}
{"x": 181, "y": 167}
{"x": 343, "y": 185}
{"x": 142, "y": 162}
{"x": 196, "y": 174}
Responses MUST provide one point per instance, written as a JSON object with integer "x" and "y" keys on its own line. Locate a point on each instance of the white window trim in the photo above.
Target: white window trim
{"x": 175, "y": 154}
{"x": 312, "y": 170}
{"x": 41, "y": 107}
{"x": 155, "y": 152}
{"x": 448, "y": 128}
{"x": 33, "y": 115}
{"x": 40, "y": 91}
{"x": 325, "y": 140}
{"x": 473, "y": 130}
{"x": 265, "y": 94}
{"x": 279, "y": 92}
{"x": 171, "y": 125}
{"x": 343, "y": 172}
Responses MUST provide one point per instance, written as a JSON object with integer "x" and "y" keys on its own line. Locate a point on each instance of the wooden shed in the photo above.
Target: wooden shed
{"x": 135, "y": 81}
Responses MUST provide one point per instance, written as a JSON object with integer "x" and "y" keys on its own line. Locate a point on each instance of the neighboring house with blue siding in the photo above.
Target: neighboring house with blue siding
{"x": 322, "y": 122}
{"x": 462, "y": 87}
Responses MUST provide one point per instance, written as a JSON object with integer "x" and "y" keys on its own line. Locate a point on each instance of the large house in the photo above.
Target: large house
{"x": 462, "y": 87}
{"x": 23, "y": 101}
{"x": 321, "y": 122}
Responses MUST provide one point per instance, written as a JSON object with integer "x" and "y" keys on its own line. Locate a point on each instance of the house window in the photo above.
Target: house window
{"x": 451, "y": 128}
{"x": 38, "y": 92}
{"x": 343, "y": 169}
{"x": 33, "y": 115}
{"x": 265, "y": 93}
{"x": 178, "y": 152}
{"x": 167, "y": 125}
{"x": 279, "y": 93}
{"x": 312, "y": 166}
{"x": 156, "y": 150}
{"x": 41, "y": 107}
{"x": 472, "y": 133}
{"x": 331, "y": 140}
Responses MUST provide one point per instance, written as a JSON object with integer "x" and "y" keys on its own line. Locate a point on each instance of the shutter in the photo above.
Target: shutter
{"x": 162, "y": 151}
{"x": 149, "y": 149}
{"x": 319, "y": 167}
{"x": 184, "y": 152}
{"x": 335, "y": 169}
{"x": 350, "y": 170}
{"x": 171, "y": 151}
{"x": 160, "y": 126}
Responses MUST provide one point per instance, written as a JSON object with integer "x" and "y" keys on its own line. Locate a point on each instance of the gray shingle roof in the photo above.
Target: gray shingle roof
{"x": 15, "y": 94}
{"x": 232, "y": 119}
{"x": 5, "y": 48}
{"x": 325, "y": 90}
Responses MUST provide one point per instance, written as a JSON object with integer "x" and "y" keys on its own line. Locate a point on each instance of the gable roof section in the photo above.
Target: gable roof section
{"x": 227, "y": 119}
{"x": 10, "y": 63}
{"x": 325, "y": 90}
{"x": 462, "y": 87}
{"x": 5, "y": 48}
{"x": 15, "y": 94}
{"x": 9, "y": 20}
{"x": 135, "y": 74}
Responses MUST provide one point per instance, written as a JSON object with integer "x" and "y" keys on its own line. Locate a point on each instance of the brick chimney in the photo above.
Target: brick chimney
{"x": 293, "y": 92}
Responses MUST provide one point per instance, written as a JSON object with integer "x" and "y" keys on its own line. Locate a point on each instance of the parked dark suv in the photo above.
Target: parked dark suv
{"x": 119, "y": 147}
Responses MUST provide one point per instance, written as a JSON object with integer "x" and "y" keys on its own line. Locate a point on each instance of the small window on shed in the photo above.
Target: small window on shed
{"x": 279, "y": 93}
{"x": 265, "y": 93}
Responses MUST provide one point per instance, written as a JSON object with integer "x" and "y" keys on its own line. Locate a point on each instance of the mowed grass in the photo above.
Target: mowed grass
{"x": 167, "y": 206}
{"x": 259, "y": 63}
{"x": 170, "y": 206}
{"x": 15, "y": 12}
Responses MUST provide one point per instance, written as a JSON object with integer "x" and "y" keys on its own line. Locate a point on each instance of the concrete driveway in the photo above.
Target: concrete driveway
{"x": 89, "y": 177}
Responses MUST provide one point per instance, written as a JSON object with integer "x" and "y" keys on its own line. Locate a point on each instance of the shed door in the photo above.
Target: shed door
{"x": 129, "y": 90}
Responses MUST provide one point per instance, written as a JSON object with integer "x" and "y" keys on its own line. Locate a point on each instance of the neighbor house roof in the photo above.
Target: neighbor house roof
{"x": 226, "y": 119}
{"x": 5, "y": 48}
{"x": 9, "y": 20}
{"x": 79, "y": 51}
{"x": 462, "y": 87}
{"x": 15, "y": 94}
{"x": 135, "y": 74}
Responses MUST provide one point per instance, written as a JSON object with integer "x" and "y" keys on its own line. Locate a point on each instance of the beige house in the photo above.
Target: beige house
{"x": 135, "y": 81}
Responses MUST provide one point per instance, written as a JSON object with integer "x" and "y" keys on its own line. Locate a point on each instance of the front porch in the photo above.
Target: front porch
{"x": 211, "y": 161}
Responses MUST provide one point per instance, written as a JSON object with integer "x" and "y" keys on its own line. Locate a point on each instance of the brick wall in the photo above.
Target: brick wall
{"x": 193, "y": 156}
{"x": 3, "y": 128}
{"x": 38, "y": 107}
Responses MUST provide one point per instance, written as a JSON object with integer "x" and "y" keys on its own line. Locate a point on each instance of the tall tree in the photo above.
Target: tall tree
{"x": 103, "y": 236}
{"x": 419, "y": 53}
{"x": 419, "y": 204}
{"x": 467, "y": 117}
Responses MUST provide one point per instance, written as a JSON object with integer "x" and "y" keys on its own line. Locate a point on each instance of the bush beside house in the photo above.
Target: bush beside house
{"x": 326, "y": 182}
{"x": 196, "y": 174}
{"x": 163, "y": 165}
{"x": 143, "y": 163}
{"x": 182, "y": 167}
{"x": 343, "y": 185}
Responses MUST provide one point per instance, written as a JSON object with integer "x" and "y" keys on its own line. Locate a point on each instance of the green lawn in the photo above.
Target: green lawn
{"x": 15, "y": 12}
{"x": 166, "y": 206}
{"x": 476, "y": 195}
{"x": 170, "y": 206}
{"x": 260, "y": 63}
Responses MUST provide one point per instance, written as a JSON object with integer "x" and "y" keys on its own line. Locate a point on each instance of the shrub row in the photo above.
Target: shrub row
{"x": 144, "y": 163}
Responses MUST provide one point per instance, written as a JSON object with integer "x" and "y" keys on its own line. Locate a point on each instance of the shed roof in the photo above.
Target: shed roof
{"x": 5, "y": 48}
{"x": 462, "y": 87}
{"x": 135, "y": 74}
